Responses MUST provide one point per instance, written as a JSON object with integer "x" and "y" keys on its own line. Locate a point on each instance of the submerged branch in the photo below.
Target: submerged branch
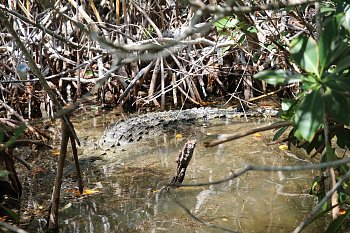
{"x": 250, "y": 167}
{"x": 249, "y": 132}
{"x": 201, "y": 221}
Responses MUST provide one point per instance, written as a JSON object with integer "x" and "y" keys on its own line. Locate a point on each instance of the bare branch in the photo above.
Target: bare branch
{"x": 229, "y": 10}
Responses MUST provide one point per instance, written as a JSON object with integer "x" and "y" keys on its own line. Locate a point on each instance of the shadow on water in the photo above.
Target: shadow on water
{"x": 129, "y": 180}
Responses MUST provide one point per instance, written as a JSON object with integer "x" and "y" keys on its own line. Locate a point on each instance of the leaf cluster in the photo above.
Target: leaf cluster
{"x": 320, "y": 113}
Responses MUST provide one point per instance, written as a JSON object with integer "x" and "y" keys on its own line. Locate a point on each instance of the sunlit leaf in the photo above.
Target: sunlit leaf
{"x": 346, "y": 19}
{"x": 257, "y": 135}
{"x": 178, "y": 135}
{"x": 288, "y": 108}
{"x": 314, "y": 190}
{"x": 308, "y": 83}
{"x": 283, "y": 147}
{"x": 275, "y": 77}
{"x": 304, "y": 51}
{"x": 309, "y": 116}
{"x": 287, "y": 104}
{"x": 226, "y": 22}
{"x": 252, "y": 29}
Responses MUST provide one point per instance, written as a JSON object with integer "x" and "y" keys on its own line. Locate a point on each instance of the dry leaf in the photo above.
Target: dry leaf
{"x": 55, "y": 152}
{"x": 85, "y": 192}
{"x": 283, "y": 147}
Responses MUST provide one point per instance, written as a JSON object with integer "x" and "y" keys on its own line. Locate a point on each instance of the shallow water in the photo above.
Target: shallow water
{"x": 129, "y": 179}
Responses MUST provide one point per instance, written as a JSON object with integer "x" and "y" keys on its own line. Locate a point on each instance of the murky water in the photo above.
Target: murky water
{"x": 129, "y": 179}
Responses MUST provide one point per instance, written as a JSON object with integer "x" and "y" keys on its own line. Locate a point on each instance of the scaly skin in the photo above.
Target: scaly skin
{"x": 155, "y": 124}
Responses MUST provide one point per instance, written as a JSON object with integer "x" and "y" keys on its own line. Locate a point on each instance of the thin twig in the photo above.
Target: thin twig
{"x": 229, "y": 10}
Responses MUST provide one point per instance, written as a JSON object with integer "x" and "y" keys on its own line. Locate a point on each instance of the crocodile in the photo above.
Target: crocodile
{"x": 155, "y": 124}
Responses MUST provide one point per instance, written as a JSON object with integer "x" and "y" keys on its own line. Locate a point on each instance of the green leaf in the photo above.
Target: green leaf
{"x": 275, "y": 77}
{"x": 331, "y": 156}
{"x": 316, "y": 144}
{"x": 338, "y": 106}
{"x": 241, "y": 39}
{"x": 327, "y": 9}
{"x": 309, "y": 116}
{"x": 226, "y": 22}
{"x": 279, "y": 133}
{"x": 346, "y": 19}
{"x": 308, "y": 83}
{"x": 252, "y": 29}
{"x": 287, "y": 104}
{"x": 289, "y": 107}
{"x": 315, "y": 184}
{"x": 343, "y": 64}
{"x": 333, "y": 44}
{"x": 325, "y": 42}
{"x": 337, "y": 99}
{"x": 304, "y": 51}
{"x": 3, "y": 173}
{"x": 339, "y": 84}
{"x": 89, "y": 72}
{"x": 8, "y": 212}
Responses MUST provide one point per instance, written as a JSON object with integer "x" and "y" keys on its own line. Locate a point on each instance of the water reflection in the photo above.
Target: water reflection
{"x": 130, "y": 179}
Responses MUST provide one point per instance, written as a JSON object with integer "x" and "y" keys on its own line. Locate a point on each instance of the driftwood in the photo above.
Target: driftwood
{"x": 183, "y": 160}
